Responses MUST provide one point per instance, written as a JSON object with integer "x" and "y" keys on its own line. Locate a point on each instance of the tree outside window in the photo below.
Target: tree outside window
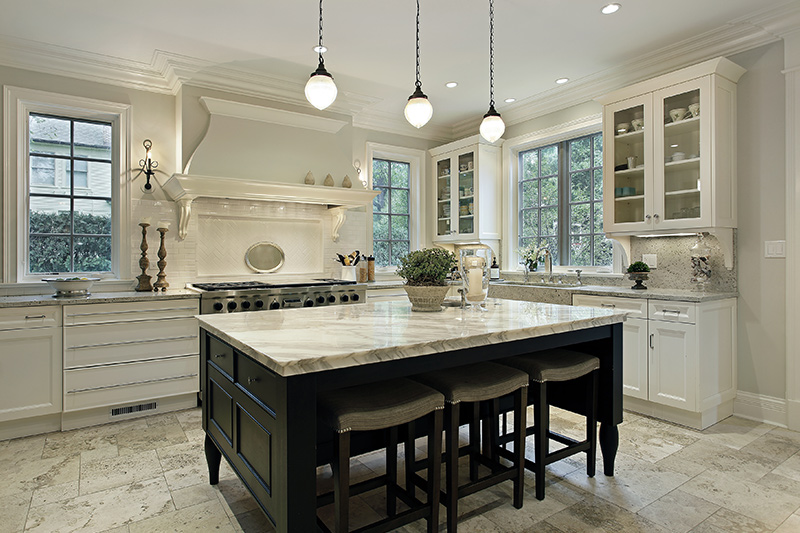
{"x": 391, "y": 219}
{"x": 561, "y": 201}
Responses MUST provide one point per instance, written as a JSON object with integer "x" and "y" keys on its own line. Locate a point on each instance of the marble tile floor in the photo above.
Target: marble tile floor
{"x": 148, "y": 475}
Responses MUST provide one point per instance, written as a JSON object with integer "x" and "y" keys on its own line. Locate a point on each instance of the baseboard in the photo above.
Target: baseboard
{"x": 14, "y": 429}
{"x": 102, "y": 415}
{"x": 761, "y": 408}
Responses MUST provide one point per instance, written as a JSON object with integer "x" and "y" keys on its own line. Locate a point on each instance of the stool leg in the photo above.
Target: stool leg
{"x": 474, "y": 441}
{"x": 435, "y": 470}
{"x": 520, "y": 406}
{"x": 541, "y": 420}
{"x": 494, "y": 429}
{"x": 391, "y": 471}
{"x": 410, "y": 453}
{"x": 341, "y": 481}
{"x": 451, "y": 484}
{"x": 591, "y": 425}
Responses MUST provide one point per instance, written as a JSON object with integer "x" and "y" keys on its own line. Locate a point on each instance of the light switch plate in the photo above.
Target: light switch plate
{"x": 651, "y": 260}
{"x": 774, "y": 249}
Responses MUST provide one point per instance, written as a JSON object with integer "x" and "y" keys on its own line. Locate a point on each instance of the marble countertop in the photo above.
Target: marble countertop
{"x": 33, "y": 300}
{"x": 372, "y": 332}
{"x": 652, "y": 293}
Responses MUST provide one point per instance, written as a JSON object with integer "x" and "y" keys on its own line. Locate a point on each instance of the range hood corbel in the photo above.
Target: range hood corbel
{"x": 184, "y": 188}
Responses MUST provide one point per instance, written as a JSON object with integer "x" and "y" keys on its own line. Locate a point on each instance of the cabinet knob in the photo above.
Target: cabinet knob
{"x": 250, "y": 381}
{"x": 655, "y": 216}
{"x": 647, "y": 217}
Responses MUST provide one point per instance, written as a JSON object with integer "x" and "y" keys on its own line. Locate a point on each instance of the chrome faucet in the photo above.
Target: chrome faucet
{"x": 548, "y": 265}
{"x": 578, "y": 271}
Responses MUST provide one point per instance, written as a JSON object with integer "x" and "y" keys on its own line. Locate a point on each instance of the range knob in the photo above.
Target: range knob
{"x": 345, "y": 298}
{"x": 355, "y": 297}
{"x": 218, "y": 306}
{"x": 320, "y": 299}
{"x": 308, "y": 303}
{"x": 331, "y": 298}
{"x": 246, "y": 304}
{"x": 259, "y": 304}
{"x": 232, "y": 306}
{"x": 275, "y": 304}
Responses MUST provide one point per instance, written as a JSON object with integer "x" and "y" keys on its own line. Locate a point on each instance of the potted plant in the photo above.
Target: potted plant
{"x": 425, "y": 272}
{"x": 638, "y": 272}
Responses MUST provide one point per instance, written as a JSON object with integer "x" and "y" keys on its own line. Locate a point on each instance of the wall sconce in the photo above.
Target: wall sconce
{"x": 147, "y": 164}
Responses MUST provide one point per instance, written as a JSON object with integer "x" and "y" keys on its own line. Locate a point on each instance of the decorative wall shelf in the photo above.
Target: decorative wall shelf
{"x": 184, "y": 188}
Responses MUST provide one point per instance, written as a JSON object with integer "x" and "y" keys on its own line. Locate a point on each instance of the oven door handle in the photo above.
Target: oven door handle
{"x": 292, "y": 302}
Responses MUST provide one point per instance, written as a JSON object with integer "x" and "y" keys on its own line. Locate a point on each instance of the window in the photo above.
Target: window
{"x": 69, "y": 223}
{"x": 391, "y": 220}
{"x": 561, "y": 201}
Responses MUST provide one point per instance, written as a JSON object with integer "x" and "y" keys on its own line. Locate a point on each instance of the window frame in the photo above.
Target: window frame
{"x": 19, "y": 104}
{"x": 511, "y": 150}
{"x": 415, "y": 159}
{"x": 391, "y": 215}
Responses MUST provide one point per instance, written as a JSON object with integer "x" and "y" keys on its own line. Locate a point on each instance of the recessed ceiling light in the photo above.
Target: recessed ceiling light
{"x": 451, "y": 84}
{"x": 562, "y": 81}
{"x": 610, "y": 8}
{"x": 510, "y": 100}
{"x": 320, "y": 49}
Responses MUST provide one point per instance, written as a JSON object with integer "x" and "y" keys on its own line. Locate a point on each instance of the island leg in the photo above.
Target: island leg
{"x": 213, "y": 458}
{"x": 609, "y": 442}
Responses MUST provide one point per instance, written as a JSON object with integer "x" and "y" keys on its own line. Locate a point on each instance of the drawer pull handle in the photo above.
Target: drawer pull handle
{"x": 250, "y": 381}
{"x": 133, "y": 311}
{"x": 31, "y": 317}
{"x": 611, "y": 306}
{"x": 651, "y": 341}
{"x": 143, "y": 382}
{"x": 123, "y": 343}
{"x": 219, "y": 355}
{"x": 672, "y": 311}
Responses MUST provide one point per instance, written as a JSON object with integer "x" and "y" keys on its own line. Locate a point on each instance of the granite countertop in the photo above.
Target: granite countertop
{"x": 652, "y": 293}
{"x": 95, "y": 298}
{"x": 372, "y": 332}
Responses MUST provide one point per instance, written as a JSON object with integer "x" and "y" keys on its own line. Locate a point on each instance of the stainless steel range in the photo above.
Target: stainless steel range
{"x": 239, "y": 296}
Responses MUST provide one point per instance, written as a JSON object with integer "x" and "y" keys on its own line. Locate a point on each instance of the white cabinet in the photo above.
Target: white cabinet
{"x": 679, "y": 358}
{"x": 669, "y": 154}
{"x": 30, "y": 365}
{"x": 466, "y": 186}
{"x": 129, "y": 357}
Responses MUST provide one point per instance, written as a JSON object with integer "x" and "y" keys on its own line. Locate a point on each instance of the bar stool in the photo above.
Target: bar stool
{"x": 558, "y": 365}
{"x": 474, "y": 384}
{"x": 382, "y": 406}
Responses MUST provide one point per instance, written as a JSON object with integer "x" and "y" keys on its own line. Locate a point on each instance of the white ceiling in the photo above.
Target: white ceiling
{"x": 371, "y": 42}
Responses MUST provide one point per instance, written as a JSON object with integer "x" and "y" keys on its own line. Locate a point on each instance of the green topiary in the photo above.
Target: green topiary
{"x": 426, "y": 267}
{"x": 639, "y": 266}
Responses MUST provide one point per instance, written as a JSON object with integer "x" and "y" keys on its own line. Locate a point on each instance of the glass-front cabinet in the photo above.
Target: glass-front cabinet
{"x": 670, "y": 165}
{"x": 466, "y": 190}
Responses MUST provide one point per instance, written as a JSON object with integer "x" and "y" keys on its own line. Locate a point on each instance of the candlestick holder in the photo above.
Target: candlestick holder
{"x": 161, "y": 283}
{"x": 144, "y": 263}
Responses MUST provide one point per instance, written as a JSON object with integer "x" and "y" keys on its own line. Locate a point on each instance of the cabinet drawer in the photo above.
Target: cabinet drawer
{"x": 132, "y": 341}
{"x": 130, "y": 382}
{"x": 259, "y": 382}
{"x": 129, "y": 311}
{"x": 684, "y": 312}
{"x": 635, "y": 306}
{"x": 220, "y": 354}
{"x": 30, "y": 317}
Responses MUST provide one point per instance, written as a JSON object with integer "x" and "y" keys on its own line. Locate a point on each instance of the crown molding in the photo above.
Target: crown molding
{"x": 372, "y": 119}
{"x": 227, "y": 108}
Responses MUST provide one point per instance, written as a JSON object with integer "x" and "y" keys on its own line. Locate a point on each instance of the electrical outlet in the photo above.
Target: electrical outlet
{"x": 774, "y": 248}
{"x": 651, "y": 260}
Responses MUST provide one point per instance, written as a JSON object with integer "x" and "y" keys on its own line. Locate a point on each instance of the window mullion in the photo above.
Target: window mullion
{"x": 563, "y": 204}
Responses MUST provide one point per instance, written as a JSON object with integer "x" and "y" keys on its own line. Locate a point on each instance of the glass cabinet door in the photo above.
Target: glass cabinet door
{"x": 627, "y": 162}
{"x": 466, "y": 193}
{"x": 680, "y": 150}
{"x": 443, "y": 196}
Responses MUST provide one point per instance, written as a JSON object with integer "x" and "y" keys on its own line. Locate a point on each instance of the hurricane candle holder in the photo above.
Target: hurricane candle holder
{"x": 475, "y": 272}
{"x": 144, "y": 263}
{"x": 161, "y": 282}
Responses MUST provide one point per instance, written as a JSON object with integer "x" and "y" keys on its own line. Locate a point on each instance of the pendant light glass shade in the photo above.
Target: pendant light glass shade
{"x": 321, "y": 91}
{"x": 418, "y": 109}
{"x": 492, "y": 127}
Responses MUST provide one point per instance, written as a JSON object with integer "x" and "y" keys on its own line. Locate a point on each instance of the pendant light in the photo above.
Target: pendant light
{"x": 418, "y": 109}
{"x": 320, "y": 89}
{"x": 492, "y": 127}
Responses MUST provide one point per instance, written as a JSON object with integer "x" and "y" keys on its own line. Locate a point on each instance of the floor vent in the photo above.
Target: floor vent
{"x": 119, "y": 411}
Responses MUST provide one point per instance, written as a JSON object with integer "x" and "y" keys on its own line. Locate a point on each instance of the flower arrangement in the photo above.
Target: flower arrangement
{"x": 530, "y": 256}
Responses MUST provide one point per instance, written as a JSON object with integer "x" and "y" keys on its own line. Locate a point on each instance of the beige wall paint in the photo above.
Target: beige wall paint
{"x": 762, "y": 214}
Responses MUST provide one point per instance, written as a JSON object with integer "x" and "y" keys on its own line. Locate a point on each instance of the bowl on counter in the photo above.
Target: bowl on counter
{"x": 71, "y": 287}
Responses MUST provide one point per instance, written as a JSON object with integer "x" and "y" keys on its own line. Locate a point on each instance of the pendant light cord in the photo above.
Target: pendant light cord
{"x": 491, "y": 53}
{"x": 418, "y": 84}
{"x": 320, "y": 31}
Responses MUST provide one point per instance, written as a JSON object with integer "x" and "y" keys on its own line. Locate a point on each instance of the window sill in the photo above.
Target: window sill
{"x": 25, "y": 288}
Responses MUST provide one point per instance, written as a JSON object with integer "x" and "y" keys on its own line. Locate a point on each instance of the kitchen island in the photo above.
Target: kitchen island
{"x": 260, "y": 374}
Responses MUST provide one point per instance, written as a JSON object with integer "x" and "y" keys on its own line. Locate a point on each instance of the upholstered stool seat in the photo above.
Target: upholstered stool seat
{"x": 558, "y": 365}
{"x": 474, "y": 384}
{"x": 382, "y": 406}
